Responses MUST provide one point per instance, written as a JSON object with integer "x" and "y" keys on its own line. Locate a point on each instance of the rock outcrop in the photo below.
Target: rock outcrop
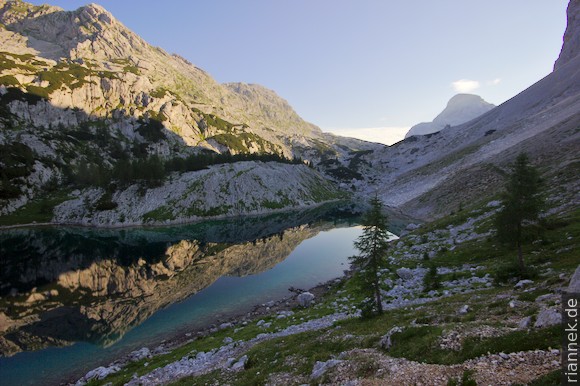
{"x": 571, "y": 44}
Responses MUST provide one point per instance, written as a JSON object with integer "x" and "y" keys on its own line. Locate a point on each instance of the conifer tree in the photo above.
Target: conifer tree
{"x": 522, "y": 203}
{"x": 372, "y": 245}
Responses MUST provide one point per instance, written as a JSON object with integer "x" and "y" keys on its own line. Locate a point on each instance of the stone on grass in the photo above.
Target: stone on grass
{"x": 305, "y": 299}
{"x": 386, "y": 341}
{"x": 525, "y": 323}
{"x": 548, "y": 317}
{"x": 463, "y": 310}
{"x": 321, "y": 367}
{"x": 523, "y": 283}
{"x": 137, "y": 355}
{"x": 239, "y": 365}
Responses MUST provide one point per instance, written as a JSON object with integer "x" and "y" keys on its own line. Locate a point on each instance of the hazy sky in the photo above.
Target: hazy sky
{"x": 373, "y": 64}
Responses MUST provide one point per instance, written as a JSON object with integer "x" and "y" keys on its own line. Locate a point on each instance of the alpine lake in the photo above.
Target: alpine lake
{"x": 75, "y": 298}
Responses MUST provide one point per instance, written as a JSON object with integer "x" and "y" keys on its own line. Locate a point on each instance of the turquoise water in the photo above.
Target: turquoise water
{"x": 316, "y": 253}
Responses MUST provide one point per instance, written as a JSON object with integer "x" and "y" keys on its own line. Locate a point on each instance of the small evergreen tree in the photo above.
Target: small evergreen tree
{"x": 431, "y": 281}
{"x": 522, "y": 203}
{"x": 372, "y": 244}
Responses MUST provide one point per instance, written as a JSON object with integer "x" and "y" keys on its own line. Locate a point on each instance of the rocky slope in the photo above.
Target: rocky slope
{"x": 460, "y": 109}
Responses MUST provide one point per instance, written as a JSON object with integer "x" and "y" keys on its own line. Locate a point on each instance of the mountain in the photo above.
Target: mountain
{"x": 88, "y": 107}
{"x": 430, "y": 176}
{"x": 460, "y": 109}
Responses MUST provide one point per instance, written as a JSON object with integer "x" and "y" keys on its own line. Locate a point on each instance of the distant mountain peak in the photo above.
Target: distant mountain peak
{"x": 461, "y": 108}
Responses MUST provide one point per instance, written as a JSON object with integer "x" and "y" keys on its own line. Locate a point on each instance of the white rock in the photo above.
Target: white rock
{"x": 548, "y": 317}
{"x": 405, "y": 273}
{"x": 463, "y": 310}
{"x": 525, "y": 323}
{"x": 240, "y": 364}
{"x": 137, "y": 355}
{"x": 305, "y": 299}
{"x": 321, "y": 367}
{"x": 386, "y": 341}
{"x": 523, "y": 283}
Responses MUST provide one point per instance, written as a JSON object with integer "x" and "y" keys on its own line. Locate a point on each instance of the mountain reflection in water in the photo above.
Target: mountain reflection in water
{"x": 63, "y": 285}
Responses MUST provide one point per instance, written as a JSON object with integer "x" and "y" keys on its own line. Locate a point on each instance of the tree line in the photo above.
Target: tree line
{"x": 152, "y": 170}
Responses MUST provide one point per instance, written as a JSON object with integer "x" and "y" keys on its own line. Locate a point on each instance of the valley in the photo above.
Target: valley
{"x": 160, "y": 227}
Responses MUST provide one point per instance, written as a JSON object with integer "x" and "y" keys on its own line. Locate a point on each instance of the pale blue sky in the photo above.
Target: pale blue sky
{"x": 358, "y": 64}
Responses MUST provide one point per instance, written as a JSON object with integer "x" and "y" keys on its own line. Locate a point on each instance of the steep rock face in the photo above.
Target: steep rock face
{"x": 460, "y": 109}
{"x": 571, "y": 46}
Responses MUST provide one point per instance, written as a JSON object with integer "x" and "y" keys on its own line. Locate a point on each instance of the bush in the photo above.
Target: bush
{"x": 512, "y": 271}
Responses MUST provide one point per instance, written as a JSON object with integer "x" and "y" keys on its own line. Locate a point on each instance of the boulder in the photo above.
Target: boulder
{"x": 412, "y": 227}
{"x": 405, "y": 273}
{"x": 305, "y": 299}
{"x": 523, "y": 283}
{"x": 574, "y": 286}
{"x": 137, "y": 355}
{"x": 548, "y": 317}
{"x": 321, "y": 367}
{"x": 463, "y": 310}
{"x": 386, "y": 341}
{"x": 240, "y": 364}
{"x": 525, "y": 323}
{"x": 100, "y": 373}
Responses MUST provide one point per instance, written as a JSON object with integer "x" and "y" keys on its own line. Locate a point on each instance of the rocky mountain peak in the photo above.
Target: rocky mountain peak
{"x": 461, "y": 108}
{"x": 571, "y": 44}
{"x": 90, "y": 32}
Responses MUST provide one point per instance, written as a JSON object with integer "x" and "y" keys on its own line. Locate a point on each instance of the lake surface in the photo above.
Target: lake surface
{"x": 75, "y": 298}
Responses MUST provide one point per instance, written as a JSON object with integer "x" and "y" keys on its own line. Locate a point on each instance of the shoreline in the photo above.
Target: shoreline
{"x": 176, "y": 222}
{"x": 177, "y": 340}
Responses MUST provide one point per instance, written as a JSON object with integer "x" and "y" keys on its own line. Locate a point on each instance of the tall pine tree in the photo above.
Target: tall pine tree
{"x": 372, "y": 245}
{"x": 522, "y": 203}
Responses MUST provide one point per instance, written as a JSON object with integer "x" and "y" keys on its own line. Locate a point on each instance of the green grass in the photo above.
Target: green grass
{"x": 39, "y": 211}
{"x": 421, "y": 344}
{"x": 553, "y": 378}
{"x": 160, "y": 214}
